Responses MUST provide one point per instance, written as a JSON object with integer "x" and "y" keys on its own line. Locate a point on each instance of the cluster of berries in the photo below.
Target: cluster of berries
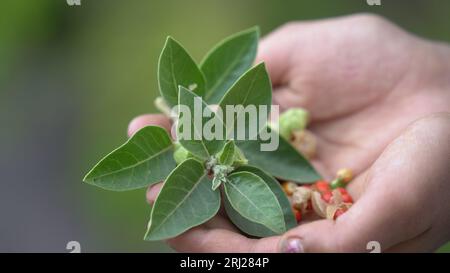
{"x": 326, "y": 200}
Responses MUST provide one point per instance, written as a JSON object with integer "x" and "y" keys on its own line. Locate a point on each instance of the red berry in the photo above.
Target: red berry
{"x": 322, "y": 186}
{"x": 342, "y": 190}
{"x": 298, "y": 215}
{"x": 346, "y": 198}
{"x": 338, "y": 213}
{"x": 326, "y": 196}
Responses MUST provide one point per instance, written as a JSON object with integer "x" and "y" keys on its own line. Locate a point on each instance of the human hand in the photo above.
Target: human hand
{"x": 371, "y": 89}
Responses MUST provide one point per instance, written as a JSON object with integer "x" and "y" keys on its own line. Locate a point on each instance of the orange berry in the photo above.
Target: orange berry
{"x": 322, "y": 186}
{"x": 288, "y": 187}
{"x": 345, "y": 174}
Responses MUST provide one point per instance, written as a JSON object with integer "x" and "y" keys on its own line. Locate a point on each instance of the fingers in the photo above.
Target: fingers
{"x": 216, "y": 235}
{"x": 221, "y": 240}
{"x": 152, "y": 192}
{"x": 145, "y": 120}
{"x": 275, "y": 50}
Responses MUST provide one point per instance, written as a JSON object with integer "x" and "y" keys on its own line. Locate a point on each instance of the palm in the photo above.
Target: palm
{"x": 357, "y": 108}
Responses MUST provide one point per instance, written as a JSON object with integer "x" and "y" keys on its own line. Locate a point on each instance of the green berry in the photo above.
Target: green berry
{"x": 337, "y": 183}
{"x": 294, "y": 119}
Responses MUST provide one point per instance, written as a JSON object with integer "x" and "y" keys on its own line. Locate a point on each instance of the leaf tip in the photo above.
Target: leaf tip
{"x": 182, "y": 88}
{"x": 261, "y": 65}
{"x": 256, "y": 30}
{"x": 169, "y": 39}
{"x": 146, "y": 235}
{"x": 88, "y": 177}
{"x": 172, "y": 41}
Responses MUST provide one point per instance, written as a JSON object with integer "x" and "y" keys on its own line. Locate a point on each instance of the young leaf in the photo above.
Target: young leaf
{"x": 217, "y": 181}
{"x": 252, "y": 89}
{"x": 227, "y": 61}
{"x": 227, "y": 154}
{"x": 256, "y": 229}
{"x": 186, "y": 200}
{"x": 146, "y": 158}
{"x": 220, "y": 173}
{"x": 253, "y": 199}
{"x": 176, "y": 67}
{"x": 285, "y": 162}
{"x": 195, "y": 141}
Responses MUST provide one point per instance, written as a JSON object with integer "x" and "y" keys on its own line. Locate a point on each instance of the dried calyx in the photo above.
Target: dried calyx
{"x": 327, "y": 200}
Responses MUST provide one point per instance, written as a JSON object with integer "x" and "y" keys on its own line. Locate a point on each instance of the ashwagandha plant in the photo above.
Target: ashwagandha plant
{"x": 201, "y": 173}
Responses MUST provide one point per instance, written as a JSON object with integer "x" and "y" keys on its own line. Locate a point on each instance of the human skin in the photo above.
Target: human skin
{"x": 379, "y": 100}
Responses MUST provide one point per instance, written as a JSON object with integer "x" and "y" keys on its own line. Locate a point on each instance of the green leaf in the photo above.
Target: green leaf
{"x": 185, "y": 201}
{"x": 253, "y": 199}
{"x": 252, "y": 89}
{"x": 176, "y": 67}
{"x": 227, "y": 61}
{"x": 146, "y": 158}
{"x": 227, "y": 154}
{"x": 195, "y": 141}
{"x": 256, "y": 229}
{"x": 285, "y": 162}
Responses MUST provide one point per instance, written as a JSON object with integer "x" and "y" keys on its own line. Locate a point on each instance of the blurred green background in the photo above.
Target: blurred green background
{"x": 72, "y": 77}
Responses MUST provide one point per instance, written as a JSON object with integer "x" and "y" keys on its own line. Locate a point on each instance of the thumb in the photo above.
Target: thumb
{"x": 149, "y": 119}
{"x": 351, "y": 232}
{"x": 400, "y": 186}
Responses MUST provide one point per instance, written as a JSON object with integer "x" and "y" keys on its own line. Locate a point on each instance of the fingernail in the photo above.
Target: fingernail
{"x": 291, "y": 245}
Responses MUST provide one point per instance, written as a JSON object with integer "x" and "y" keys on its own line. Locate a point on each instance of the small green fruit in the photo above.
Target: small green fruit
{"x": 294, "y": 119}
